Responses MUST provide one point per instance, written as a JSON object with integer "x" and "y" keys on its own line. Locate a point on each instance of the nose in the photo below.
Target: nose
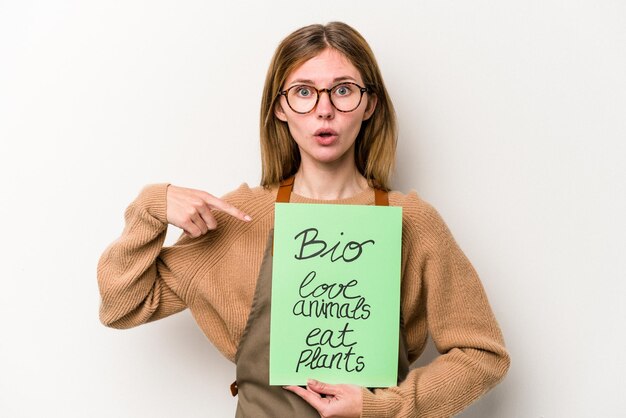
{"x": 324, "y": 109}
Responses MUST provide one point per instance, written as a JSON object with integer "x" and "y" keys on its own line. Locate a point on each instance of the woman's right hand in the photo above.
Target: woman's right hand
{"x": 191, "y": 210}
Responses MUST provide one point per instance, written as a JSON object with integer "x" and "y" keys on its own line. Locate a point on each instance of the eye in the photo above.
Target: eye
{"x": 304, "y": 91}
{"x": 343, "y": 90}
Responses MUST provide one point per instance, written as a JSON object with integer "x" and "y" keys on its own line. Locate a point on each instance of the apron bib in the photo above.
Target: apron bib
{"x": 257, "y": 399}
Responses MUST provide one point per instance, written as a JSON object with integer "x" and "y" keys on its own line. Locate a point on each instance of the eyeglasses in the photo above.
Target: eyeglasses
{"x": 345, "y": 97}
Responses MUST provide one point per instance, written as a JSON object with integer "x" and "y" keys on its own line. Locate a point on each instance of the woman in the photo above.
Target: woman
{"x": 327, "y": 136}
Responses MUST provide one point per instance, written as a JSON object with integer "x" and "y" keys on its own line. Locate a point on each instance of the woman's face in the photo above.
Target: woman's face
{"x": 325, "y": 135}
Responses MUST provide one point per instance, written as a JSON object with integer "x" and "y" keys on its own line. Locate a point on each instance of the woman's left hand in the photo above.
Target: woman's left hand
{"x": 340, "y": 401}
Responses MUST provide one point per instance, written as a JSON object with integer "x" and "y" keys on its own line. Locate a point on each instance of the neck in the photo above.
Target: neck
{"x": 328, "y": 183}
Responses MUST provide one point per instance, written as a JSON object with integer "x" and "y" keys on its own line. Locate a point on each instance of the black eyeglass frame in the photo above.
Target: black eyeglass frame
{"x": 319, "y": 94}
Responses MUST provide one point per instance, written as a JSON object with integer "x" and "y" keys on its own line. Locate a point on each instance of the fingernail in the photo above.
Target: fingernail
{"x": 247, "y": 218}
{"x": 311, "y": 382}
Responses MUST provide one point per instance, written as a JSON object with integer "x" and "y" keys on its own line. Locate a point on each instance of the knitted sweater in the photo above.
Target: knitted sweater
{"x": 214, "y": 276}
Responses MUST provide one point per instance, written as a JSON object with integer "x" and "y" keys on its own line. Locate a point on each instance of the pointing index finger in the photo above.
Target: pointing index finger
{"x": 226, "y": 207}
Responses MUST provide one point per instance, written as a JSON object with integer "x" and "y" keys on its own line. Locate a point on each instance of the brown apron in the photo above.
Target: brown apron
{"x": 257, "y": 399}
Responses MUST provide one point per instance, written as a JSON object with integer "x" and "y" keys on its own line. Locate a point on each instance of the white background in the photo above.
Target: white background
{"x": 512, "y": 124}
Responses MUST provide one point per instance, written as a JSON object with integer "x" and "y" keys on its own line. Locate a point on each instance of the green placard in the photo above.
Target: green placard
{"x": 335, "y": 294}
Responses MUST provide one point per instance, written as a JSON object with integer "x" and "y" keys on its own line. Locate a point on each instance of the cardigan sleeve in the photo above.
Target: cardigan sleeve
{"x": 456, "y": 312}
{"x": 138, "y": 279}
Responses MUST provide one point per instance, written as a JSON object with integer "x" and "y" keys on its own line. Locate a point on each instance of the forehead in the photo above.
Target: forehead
{"x": 324, "y": 68}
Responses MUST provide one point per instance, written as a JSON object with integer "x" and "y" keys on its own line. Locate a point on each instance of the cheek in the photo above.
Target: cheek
{"x": 355, "y": 123}
{"x": 297, "y": 128}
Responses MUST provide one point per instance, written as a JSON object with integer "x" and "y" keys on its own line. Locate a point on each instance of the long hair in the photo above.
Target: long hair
{"x": 375, "y": 145}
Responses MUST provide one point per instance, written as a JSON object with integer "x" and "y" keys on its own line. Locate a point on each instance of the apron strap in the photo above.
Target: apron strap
{"x": 284, "y": 191}
{"x": 381, "y": 197}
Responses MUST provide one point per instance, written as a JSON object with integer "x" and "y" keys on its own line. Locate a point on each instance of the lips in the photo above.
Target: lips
{"x": 325, "y": 136}
{"x": 325, "y": 132}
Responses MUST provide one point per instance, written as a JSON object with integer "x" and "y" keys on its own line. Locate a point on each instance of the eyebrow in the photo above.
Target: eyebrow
{"x": 311, "y": 82}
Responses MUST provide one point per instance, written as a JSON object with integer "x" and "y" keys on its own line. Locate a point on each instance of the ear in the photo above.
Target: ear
{"x": 372, "y": 99}
{"x": 279, "y": 112}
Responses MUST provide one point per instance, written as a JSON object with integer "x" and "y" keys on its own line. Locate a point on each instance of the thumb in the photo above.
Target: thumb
{"x": 320, "y": 387}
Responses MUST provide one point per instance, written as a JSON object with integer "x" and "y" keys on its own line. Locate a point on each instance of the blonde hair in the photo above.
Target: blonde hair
{"x": 375, "y": 145}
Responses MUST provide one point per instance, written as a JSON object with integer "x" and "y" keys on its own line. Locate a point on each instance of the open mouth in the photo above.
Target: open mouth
{"x": 325, "y": 133}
